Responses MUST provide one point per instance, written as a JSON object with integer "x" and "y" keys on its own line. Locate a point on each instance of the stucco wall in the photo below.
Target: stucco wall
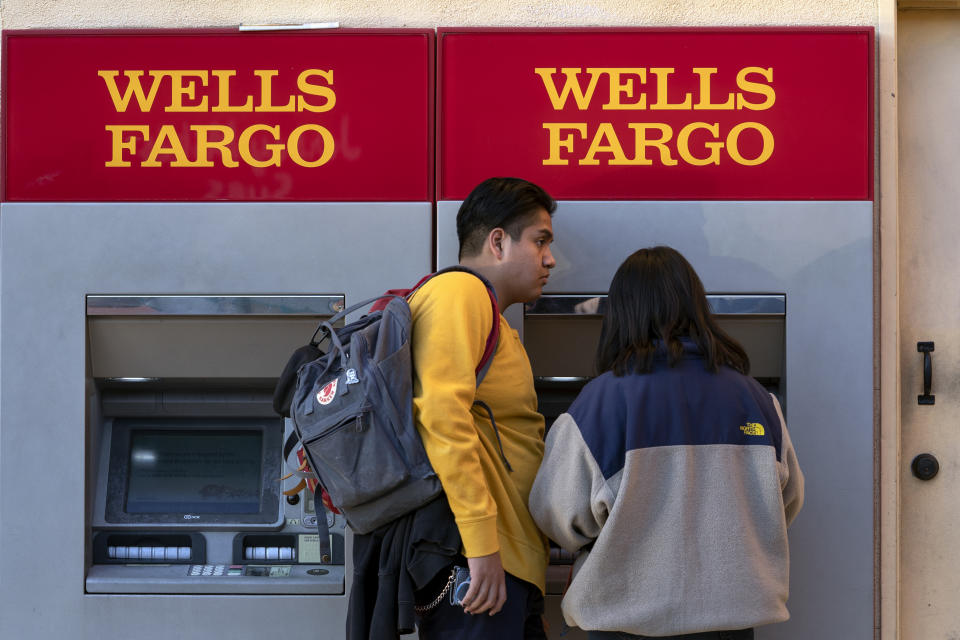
{"x": 35, "y": 14}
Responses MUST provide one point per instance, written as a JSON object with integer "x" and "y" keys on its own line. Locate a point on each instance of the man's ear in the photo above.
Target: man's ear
{"x": 495, "y": 242}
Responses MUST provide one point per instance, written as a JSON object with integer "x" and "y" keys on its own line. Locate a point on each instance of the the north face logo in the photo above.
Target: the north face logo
{"x": 329, "y": 391}
{"x": 752, "y": 429}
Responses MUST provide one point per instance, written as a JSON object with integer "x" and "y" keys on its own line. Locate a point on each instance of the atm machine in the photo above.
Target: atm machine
{"x": 799, "y": 307}
{"x": 193, "y": 492}
{"x": 636, "y": 133}
{"x": 137, "y": 416}
{"x": 152, "y": 292}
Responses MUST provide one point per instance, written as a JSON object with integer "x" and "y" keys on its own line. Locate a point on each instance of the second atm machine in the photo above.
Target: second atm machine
{"x": 732, "y": 147}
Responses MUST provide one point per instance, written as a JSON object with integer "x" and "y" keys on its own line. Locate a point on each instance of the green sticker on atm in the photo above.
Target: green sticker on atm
{"x": 309, "y": 551}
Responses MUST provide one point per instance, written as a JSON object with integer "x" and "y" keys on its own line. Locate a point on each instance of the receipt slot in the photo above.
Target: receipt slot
{"x": 189, "y": 488}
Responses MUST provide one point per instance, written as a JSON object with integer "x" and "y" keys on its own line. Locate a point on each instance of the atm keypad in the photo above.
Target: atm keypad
{"x": 221, "y": 570}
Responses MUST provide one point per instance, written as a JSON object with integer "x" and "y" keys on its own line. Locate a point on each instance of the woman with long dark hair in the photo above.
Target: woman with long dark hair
{"x": 672, "y": 475}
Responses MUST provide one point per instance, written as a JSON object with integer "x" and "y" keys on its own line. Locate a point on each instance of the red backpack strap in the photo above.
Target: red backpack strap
{"x": 490, "y": 347}
{"x": 492, "y": 340}
{"x": 380, "y": 304}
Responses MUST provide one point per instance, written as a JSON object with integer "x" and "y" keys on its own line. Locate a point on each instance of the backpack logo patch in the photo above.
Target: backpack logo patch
{"x": 329, "y": 391}
{"x": 752, "y": 429}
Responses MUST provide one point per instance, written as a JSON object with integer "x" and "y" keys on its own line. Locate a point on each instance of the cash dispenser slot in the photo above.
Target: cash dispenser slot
{"x": 147, "y": 547}
{"x": 187, "y": 449}
{"x": 265, "y": 548}
{"x": 561, "y": 332}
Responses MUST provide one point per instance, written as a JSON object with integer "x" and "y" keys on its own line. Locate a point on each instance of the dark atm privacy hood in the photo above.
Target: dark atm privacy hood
{"x": 213, "y": 337}
{"x": 561, "y": 331}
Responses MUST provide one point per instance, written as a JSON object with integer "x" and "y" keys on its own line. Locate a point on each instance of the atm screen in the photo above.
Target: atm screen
{"x": 192, "y": 471}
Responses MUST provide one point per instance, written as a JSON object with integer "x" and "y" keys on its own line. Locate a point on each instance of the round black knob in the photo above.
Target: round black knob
{"x": 925, "y": 466}
{"x": 294, "y": 499}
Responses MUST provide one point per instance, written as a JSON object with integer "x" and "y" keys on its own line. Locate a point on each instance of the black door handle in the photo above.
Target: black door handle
{"x": 926, "y": 348}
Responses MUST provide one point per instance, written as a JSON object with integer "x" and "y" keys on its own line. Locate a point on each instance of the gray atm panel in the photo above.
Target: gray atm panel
{"x": 820, "y": 256}
{"x": 53, "y": 256}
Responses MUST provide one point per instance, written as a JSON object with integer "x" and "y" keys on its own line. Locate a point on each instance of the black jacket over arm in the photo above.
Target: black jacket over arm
{"x": 391, "y": 563}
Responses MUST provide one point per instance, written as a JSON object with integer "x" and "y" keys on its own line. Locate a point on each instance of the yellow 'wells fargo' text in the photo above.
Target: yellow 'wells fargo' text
{"x": 697, "y": 143}
{"x": 203, "y": 91}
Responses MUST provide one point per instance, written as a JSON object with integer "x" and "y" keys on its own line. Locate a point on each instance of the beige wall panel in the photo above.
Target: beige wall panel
{"x": 74, "y": 14}
{"x": 929, "y": 95}
{"x": 887, "y": 329}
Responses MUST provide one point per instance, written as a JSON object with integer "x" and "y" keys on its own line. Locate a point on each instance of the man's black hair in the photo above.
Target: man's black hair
{"x": 507, "y": 203}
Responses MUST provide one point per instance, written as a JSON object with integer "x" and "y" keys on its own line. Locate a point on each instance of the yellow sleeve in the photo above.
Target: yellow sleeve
{"x": 452, "y": 318}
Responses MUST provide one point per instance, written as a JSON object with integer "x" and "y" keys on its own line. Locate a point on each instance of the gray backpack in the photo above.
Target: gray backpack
{"x": 352, "y": 410}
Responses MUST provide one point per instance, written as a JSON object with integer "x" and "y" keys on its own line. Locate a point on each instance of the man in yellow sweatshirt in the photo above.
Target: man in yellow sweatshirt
{"x": 505, "y": 230}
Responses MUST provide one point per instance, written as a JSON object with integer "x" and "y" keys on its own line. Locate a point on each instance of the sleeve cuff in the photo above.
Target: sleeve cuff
{"x": 480, "y": 537}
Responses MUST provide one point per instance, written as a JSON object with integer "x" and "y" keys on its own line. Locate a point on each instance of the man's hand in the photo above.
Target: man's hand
{"x": 488, "y": 589}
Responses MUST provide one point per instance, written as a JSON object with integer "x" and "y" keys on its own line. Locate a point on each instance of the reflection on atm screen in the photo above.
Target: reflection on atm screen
{"x": 192, "y": 472}
{"x": 188, "y": 472}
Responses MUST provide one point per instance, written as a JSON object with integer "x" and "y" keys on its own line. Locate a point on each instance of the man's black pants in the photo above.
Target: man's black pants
{"x": 519, "y": 619}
